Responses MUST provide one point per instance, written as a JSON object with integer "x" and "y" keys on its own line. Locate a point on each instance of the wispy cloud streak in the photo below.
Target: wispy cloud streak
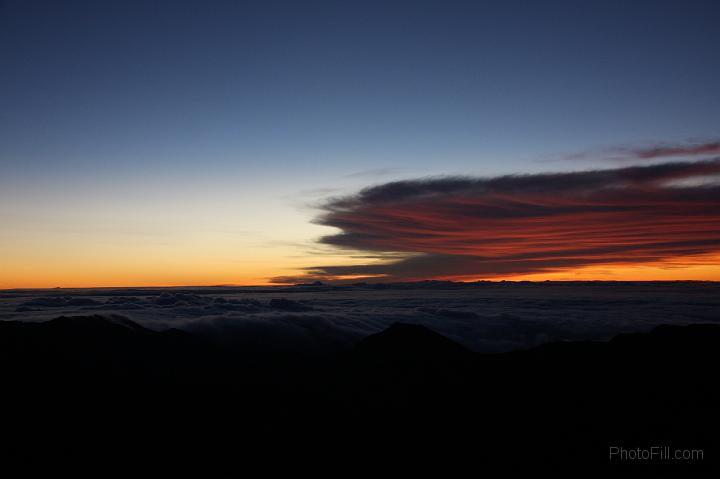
{"x": 710, "y": 148}
{"x": 659, "y": 151}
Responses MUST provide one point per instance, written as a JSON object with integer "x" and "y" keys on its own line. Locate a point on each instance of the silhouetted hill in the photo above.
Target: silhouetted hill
{"x": 76, "y": 364}
{"x": 82, "y": 390}
{"x": 80, "y": 332}
{"x": 409, "y": 341}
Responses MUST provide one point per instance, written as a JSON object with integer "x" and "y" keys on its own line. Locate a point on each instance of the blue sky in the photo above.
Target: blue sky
{"x": 134, "y": 106}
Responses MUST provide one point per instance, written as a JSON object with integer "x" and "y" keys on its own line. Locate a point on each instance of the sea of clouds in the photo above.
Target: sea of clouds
{"x": 485, "y": 317}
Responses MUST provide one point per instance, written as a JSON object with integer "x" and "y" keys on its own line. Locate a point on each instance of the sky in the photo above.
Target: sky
{"x": 230, "y": 142}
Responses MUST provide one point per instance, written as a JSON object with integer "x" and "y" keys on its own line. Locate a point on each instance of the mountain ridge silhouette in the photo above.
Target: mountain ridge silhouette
{"x": 414, "y": 397}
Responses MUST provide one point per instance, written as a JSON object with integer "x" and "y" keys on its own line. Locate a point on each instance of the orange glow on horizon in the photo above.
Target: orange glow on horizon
{"x": 659, "y": 272}
{"x": 701, "y": 268}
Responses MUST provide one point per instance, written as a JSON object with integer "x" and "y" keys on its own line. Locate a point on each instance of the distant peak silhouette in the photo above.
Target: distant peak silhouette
{"x": 96, "y": 321}
{"x": 409, "y": 340}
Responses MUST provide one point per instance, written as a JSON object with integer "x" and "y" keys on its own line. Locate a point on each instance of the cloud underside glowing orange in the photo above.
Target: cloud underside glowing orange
{"x": 663, "y": 216}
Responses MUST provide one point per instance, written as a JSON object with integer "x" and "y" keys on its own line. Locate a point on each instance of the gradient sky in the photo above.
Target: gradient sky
{"x": 186, "y": 142}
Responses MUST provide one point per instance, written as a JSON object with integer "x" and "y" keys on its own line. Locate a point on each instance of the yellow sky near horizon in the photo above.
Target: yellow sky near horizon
{"x": 212, "y": 270}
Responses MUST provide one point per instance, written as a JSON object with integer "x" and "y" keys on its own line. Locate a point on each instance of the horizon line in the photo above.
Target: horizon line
{"x": 329, "y": 283}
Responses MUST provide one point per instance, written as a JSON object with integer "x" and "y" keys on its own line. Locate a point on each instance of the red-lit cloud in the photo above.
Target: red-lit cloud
{"x": 461, "y": 227}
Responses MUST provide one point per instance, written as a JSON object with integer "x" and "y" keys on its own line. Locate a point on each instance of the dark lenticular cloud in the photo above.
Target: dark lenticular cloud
{"x": 464, "y": 227}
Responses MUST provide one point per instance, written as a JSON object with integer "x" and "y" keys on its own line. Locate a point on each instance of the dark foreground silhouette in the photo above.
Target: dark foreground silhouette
{"x": 104, "y": 395}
